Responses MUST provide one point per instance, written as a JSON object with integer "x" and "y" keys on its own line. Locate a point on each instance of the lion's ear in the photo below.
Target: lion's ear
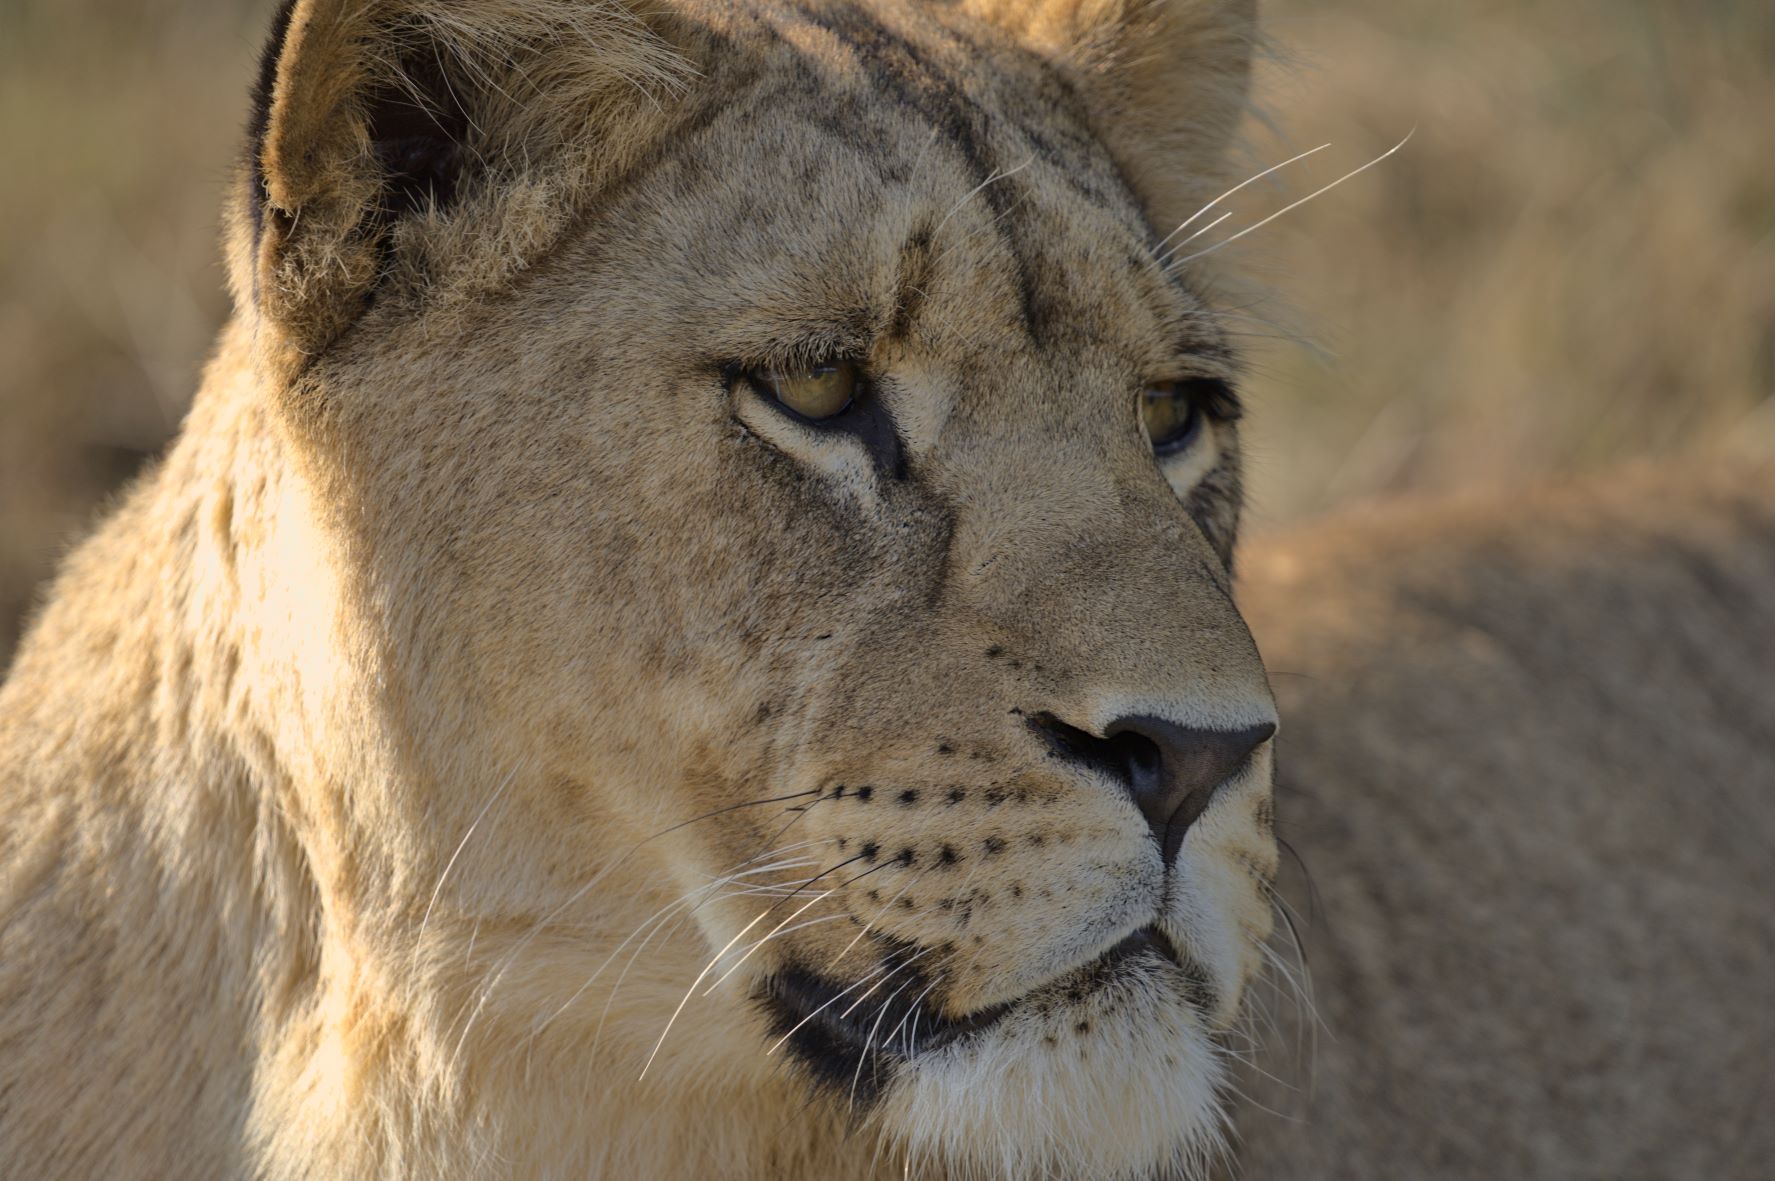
{"x": 380, "y": 125}
{"x": 1166, "y": 82}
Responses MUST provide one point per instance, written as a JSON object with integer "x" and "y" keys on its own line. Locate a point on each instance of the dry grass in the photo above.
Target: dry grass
{"x": 1573, "y": 260}
{"x": 119, "y": 122}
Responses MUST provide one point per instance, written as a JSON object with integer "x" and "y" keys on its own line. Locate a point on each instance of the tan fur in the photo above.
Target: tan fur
{"x": 1529, "y": 764}
{"x": 478, "y": 620}
{"x": 373, "y": 779}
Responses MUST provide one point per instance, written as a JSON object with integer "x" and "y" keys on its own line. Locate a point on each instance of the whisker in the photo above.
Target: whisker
{"x": 825, "y": 918}
{"x": 800, "y": 795}
{"x": 1205, "y": 229}
{"x": 902, "y": 964}
{"x": 917, "y": 1015}
{"x": 864, "y": 930}
{"x": 801, "y": 811}
{"x": 543, "y": 923}
{"x": 460, "y": 846}
{"x": 604, "y": 1014}
{"x": 869, "y": 1041}
{"x": 792, "y": 863}
{"x": 777, "y": 930}
{"x": 653, "y": 924}
{"x": 977, "y": 189}
{"x": 1252, "y": 229}
{"x": 916, "y": 1002}
{"x": 778, "y": 1044}
{"x": 1246, "y": 183}
{"x": 1314, "y": 905}
{"x": 674, "y": 1018}
{"x": 706, "y": 970}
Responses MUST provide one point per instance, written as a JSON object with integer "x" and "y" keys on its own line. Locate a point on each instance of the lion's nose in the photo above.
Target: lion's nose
{"x": 1171, "y": 771}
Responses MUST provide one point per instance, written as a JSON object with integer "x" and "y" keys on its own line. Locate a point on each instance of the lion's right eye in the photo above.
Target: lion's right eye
{"x": 815, "y": 393}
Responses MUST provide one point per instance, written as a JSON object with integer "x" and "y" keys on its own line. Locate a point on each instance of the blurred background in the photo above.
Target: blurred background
{"x": 1571, "y": 263}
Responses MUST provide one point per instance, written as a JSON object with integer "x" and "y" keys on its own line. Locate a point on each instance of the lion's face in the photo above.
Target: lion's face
{"x": 836, "y": 522}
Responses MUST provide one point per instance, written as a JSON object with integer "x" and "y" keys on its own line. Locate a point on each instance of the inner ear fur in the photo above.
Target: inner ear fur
{"x": 1167, "y": 83}
{"x": 394, "y": 137}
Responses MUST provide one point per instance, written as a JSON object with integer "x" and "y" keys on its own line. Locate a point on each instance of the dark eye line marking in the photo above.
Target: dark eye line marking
{"x": 870, "y": 422}
{"x": 866, "y": 419}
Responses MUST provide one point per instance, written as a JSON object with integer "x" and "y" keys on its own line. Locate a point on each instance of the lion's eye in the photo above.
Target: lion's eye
{"x": 1172, "y": 414}
{"x": 814, "y": 393}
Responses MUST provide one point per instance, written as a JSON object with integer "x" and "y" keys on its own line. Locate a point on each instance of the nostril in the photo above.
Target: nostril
{"x": 1170, "y": 771}
{"x": 1140, "y": 754}
{"x": 1128, "y": 757}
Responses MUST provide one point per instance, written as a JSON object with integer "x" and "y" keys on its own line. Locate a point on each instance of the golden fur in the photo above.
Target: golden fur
{"x": 489, "y": 653}
{"x": 494, "y": 714}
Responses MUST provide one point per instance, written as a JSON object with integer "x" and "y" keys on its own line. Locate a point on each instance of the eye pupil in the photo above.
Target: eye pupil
{"x": 816, "y": 392}
{"x": 1171, "y": 415}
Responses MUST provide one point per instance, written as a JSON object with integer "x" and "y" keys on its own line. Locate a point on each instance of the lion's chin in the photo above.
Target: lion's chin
{"x": 1121, "y": 1083}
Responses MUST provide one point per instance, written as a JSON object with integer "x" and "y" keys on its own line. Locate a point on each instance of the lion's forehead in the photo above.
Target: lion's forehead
{"x": 844, "y": 167}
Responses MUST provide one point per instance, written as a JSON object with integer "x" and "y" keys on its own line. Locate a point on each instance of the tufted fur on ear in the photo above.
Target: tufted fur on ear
{"x": 1166, "y": 81}
{"x": 392, "y": 139}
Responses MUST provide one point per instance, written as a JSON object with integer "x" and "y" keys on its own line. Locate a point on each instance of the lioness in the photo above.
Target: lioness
{"x": 688, "y": 632}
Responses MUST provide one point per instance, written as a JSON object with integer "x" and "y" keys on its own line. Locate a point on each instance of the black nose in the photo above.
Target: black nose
{"x": 1171, "y": 771}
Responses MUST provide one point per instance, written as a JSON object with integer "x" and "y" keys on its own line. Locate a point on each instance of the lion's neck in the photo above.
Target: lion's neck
{"x": 148, "y": 876}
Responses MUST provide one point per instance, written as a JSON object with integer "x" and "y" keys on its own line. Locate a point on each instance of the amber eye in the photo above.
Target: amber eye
{"x": 816, "y": 392}
{"x": 1172, "y": 415}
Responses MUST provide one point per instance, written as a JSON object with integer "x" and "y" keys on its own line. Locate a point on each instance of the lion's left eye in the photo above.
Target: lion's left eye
{"x": 814, "y": 393}
{"x": 1172, "y": 414}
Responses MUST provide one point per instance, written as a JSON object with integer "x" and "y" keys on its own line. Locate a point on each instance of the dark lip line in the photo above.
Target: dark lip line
{"x": 835, "y": 1036}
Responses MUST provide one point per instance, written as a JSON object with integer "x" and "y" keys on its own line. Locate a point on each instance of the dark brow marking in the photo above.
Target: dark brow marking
{"x": 916, "y": 262}
{"x": 897, "y": 67}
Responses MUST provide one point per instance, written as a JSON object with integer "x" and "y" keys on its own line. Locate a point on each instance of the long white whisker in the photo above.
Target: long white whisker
{"x": 864, "y": 930}
{"x": 792, "y": 863}
{"x": 880, "y": 1016}
{"x": 917, "y": 1015}
{"x": 692, "y": 990}
{"x": 916, "y": 1002}
{"x": 511, "y": 956}
{"x": 1252, "y": 229}
{"x": 825, "y": 918}
{"x": 1246, "y": 183}
{"x": 897, "y": 968}
{"x": 971, "y": 193}
{"x": 622, "y": 977}
{"x": 460, "y": 846}
{"x": 789, "y": 848}
{"x": 1209, "y": 228}
{"x": 652, "y": 925}
{"x": 778, "y": 1044}
{"x": 711, "y": 891}
{"x": 774, "y": 932}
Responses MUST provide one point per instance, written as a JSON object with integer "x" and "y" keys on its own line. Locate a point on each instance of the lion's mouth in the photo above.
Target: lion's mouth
{"x": 852, "y": 1036}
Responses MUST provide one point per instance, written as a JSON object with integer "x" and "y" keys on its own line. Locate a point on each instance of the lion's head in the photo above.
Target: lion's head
{"x": 774, "y": 485}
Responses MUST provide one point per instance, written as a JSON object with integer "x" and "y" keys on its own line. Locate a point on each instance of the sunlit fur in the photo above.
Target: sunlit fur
{"x": 434, "y": 766}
